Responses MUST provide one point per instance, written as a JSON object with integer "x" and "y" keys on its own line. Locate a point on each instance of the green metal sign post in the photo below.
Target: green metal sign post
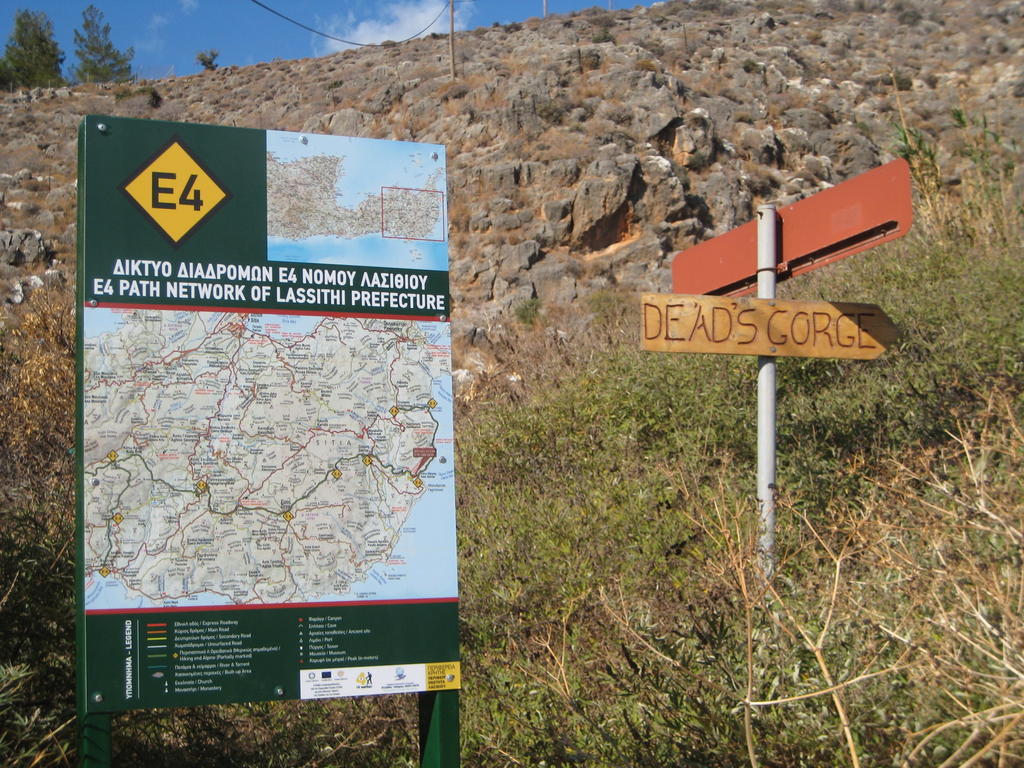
{"x": 266, "y": 501}
{"x": 439, "y": 729}
{"x": 95, "y": 740}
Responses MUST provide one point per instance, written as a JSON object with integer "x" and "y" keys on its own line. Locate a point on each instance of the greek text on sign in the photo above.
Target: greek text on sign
{"x": 175, "y": 191}
{"x": 770, "y": 327}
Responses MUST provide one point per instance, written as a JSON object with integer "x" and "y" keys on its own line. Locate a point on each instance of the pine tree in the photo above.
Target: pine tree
{"x": 99, "y": 60}
{"x": 6, "y": 75}
{"x": 32, "y": 57}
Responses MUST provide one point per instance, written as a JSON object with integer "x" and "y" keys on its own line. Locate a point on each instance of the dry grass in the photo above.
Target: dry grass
{"x": 556, "y": 143}
{"x": 38, "y": 376}
{"x": 948, "y": 533}
{"x": 917, "y": 589}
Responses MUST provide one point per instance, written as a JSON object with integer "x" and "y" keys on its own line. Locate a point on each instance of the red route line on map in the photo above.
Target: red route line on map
{"x": 261, "y": 311}
{"x": 235, "y": 607}
{"x": 444, "y": 215}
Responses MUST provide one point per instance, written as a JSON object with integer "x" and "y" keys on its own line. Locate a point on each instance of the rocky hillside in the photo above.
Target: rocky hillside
{"x": 584, "y": 150}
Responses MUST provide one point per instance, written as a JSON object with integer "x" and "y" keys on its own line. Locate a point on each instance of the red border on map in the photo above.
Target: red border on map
{"x": 444, "y": 223}
{"x": 264, "y": 606}
{"x": 248, "y": 311}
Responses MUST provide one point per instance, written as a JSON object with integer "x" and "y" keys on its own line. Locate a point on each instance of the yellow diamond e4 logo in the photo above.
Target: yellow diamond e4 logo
{"x": 175, "y": 191}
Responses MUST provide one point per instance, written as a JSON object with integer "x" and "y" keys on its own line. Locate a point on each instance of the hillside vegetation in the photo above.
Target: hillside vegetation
{"x": 613, "y": 611}
{"x": 608, "y": 525}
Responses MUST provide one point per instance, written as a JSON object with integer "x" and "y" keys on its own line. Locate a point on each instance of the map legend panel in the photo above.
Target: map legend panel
{"x": 255, "y": 654}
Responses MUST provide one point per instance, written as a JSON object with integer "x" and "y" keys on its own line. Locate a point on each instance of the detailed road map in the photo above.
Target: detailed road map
{"x": 257, "y": 459}
{"x": 359, "y": 202}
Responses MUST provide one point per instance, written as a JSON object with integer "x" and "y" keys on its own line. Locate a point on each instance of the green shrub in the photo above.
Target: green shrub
{"x": 152, "y": 96}
{"x": 528, "y": 311}
{"x": 909, "y": 17}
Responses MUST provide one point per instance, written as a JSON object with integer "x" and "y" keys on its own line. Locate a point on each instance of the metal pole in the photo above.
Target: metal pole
{"x": 767, "y": 259}
{"x": 451, "y": 36}
{"x": 439, "y": 729}
{"x": 95, "y": 740}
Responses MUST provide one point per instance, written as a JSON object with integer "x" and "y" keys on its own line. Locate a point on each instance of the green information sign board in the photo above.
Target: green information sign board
{"x": 266, "y": 504}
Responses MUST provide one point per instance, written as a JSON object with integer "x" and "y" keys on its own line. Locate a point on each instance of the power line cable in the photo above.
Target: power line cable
{"x": 289, "y": 19}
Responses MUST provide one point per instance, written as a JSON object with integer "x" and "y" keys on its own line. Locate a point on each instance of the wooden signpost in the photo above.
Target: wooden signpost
{"x": 866, "y": 211}
{"x": 726, "y": 326}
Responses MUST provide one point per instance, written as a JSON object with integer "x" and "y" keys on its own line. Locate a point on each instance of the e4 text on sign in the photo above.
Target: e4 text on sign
{"x": 175, "y": 191}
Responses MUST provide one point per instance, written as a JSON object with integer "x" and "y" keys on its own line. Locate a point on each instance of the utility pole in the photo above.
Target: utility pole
{"x": 545, "y": 9}
{"x": 451, "y": 36}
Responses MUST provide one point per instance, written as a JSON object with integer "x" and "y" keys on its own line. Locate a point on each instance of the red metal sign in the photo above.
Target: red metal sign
{"x": 868, "y": 210}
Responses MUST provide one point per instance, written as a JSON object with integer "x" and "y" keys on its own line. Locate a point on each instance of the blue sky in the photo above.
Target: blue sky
{"x": 166, "y": 35}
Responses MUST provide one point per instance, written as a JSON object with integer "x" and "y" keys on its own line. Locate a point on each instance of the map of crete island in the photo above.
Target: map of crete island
{"x": 248, "y": 459}
{"x": 360, "y": 202}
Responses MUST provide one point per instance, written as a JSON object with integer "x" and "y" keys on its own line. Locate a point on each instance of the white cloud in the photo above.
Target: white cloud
{"x": 396, "y": 21}
{"x": 153, "y": 41}
{"x": 187, "y": 6}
